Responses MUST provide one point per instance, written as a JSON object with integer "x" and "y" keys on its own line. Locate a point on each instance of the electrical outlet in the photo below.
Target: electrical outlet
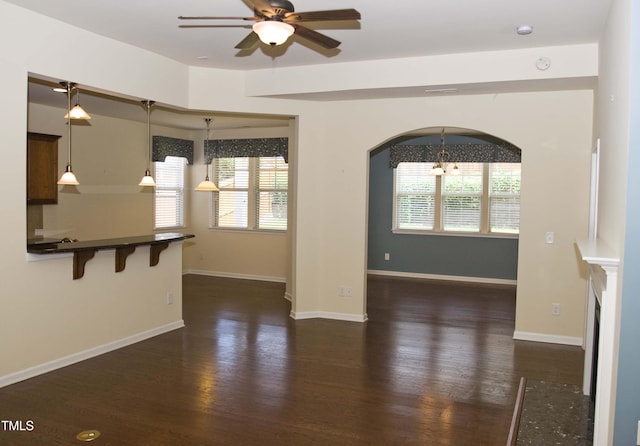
{"x": 387, "y": 256}
{"x": 39, "y": 232}
{"x": 169, "y": 298}
{"x": 345, "y": 291}
{"x": 555, "y": 309}
{"x": 549, "y": 237}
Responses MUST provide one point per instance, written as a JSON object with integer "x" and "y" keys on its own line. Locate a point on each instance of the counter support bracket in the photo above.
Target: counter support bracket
{"x": 121, "y": 257}
{"x": 80, "y": 258}
{"x": 154, "y": 252}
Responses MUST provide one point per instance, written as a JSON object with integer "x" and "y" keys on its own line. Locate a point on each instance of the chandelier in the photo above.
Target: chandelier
{"x": 442, "y": 164}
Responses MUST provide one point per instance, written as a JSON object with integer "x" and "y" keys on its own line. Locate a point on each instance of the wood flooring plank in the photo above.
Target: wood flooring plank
{"x": 435, "y": 364}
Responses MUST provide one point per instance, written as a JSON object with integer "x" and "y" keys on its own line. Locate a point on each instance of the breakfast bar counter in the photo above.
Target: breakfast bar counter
{"x": 83, "y": 251}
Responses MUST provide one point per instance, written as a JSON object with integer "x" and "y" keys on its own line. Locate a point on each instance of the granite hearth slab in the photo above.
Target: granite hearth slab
{"x": 555, "y": 414}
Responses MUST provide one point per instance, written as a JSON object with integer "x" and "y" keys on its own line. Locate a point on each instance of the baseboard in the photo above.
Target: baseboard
{"x": 228, "y": 275}
{"x": 288, "y": 296}
{"x": 87, "y": 354}
{"x": 550, "y": 339}
{"x": 442, "y": 277}
{"x": 328, "y": 315}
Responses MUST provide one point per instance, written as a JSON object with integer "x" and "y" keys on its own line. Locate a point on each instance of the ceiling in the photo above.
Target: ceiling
{"x": 398, "y": 28}
{"x": 387, "y": 30}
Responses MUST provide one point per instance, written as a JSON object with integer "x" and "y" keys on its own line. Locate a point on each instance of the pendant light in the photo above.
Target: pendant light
{"x": 206, "y": 185}
{"x": 68, "y": 178}
{"x": 77, "y": 112}
{"x": 147, "y": 179}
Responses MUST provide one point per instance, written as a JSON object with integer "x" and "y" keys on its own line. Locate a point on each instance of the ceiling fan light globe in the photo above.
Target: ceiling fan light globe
{"x": 273, "y": 32}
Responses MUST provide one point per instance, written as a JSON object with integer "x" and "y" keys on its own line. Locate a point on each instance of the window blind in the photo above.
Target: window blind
{"x": 232, "y": 177}
{"x": 271, "y": 192}
{"x": 415, "y": 196}
{"x": 462, "y": 199}
{"x": 504, "y": 197}
{"x": 169, "y": 192}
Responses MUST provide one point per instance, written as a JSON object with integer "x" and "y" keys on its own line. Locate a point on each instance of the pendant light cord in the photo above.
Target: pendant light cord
{"x": 206, "y": 144}
{"x": 149, "y": 136}
{"x": 68, "y": 125}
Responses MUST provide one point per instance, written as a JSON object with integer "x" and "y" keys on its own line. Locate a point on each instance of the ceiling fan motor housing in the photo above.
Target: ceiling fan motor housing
{"x": 282, "y": 4}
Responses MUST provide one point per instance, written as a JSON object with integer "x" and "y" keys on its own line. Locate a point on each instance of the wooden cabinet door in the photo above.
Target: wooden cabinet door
{"x": 42, "y": 168}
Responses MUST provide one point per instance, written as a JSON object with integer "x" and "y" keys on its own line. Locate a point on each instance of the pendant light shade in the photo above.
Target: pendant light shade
{"x": 206, "y": 185}
{"x": 68, "y": 178}
{"x": 273, "y": 32}
{"x": 147, "y": 179}
{"x": 77, "y": 112}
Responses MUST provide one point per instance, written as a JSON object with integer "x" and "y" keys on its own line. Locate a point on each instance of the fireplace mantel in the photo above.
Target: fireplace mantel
{"x": 603, "y": 265}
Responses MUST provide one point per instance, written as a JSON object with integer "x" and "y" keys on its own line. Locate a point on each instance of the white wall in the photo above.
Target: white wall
{"x": 553, "y": 130}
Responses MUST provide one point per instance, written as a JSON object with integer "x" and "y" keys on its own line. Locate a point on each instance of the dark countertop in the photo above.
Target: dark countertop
{"x": 55, "y": 246}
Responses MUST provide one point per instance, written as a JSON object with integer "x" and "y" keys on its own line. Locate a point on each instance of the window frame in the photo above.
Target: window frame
{"x": 438, "y": 230}
{"x": 180, "y": 191}
{"x": 253, "y": 190}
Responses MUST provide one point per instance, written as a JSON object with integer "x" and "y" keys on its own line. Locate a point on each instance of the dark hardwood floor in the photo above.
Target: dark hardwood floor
{"x": 434, "y": 365}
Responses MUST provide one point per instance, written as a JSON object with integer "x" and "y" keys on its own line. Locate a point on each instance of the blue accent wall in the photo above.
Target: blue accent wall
{"x": 627, "y": 411}
{"x": 482, "y": 257}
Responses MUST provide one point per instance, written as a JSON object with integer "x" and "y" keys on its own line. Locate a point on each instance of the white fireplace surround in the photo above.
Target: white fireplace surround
{"x": 602, "y": 265}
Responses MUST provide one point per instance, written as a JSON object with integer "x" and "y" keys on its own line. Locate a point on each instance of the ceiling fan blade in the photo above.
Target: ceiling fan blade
{"x": 248, "y": 42}
{"x": 319, "y": 16}
{"x": 182, "y": 17}
{"x": 316, "y": 37}
{"x": 214, "y": 26}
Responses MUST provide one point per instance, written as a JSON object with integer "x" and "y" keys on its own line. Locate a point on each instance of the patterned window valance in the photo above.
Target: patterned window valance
{"x": 250, "y": 148}
{"x": 461, "y": 153}
{"x": 164, "y": 146}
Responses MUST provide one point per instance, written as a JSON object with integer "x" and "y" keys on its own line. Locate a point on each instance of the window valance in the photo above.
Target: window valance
{"x": 460, "y": 153}
{"x": 250, "y": 148}
{"x": 164, "y": 146}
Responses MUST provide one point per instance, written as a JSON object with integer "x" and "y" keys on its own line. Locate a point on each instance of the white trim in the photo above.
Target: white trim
{"x": 288, "y": 296}
{"x": 328, "y": 315}
{"x": 202, "y": 272}
{"x": 603, "y": 264}
{"x": 87, "y": 354}
{"x": 442, "y": 277}
{"x": 551, "y": 339}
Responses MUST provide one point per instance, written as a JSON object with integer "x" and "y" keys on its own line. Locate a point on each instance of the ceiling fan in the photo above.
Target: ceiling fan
{"x": 276, "y": 20}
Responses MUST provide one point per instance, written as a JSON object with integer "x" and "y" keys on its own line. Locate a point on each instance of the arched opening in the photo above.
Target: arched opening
{"x": 463, "y": 227}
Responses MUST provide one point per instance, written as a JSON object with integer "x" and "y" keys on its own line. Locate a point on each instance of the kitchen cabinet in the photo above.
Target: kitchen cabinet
{"x": 42, "y": 168}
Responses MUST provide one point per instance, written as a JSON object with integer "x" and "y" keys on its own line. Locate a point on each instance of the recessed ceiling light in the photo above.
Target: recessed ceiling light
{"x": 523, "y": 30}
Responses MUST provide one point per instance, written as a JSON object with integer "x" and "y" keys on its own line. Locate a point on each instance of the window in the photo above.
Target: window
{"x": 169, "y": 194}
{"x": 252, "y": 193}
{"x": 484, "y": 198}
{"x": 504, "y": 197}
